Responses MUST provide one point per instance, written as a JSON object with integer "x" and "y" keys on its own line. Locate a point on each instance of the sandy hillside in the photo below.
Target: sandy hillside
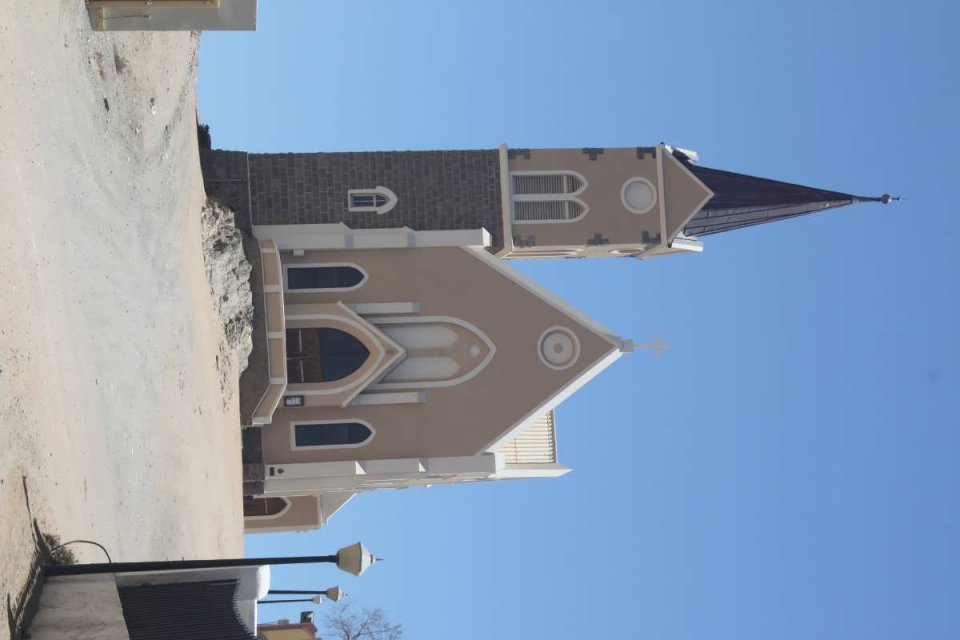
{"x": 110, "y": 402}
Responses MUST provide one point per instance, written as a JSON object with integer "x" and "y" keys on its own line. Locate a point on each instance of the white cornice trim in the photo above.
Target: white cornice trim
{"x": 662, "y": 200}
{"x": 700, "y": 206}
{"x": 506, "y": 200}
{"x": 316, "y": 237}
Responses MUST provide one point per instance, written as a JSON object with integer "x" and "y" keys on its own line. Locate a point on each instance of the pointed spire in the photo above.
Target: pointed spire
{"x": 744, "y": 201}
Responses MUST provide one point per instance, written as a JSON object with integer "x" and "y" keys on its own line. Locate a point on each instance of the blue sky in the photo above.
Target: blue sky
{"x": 789, "y": 468}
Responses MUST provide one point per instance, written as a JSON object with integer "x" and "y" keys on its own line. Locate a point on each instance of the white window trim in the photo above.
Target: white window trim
{"x": 653, "y": 189}
{"x": 576, "y": 347}
{"x": 433, "y": 384}
{"x": 309, "y": 265}
{"x": 579, "y": 176}
{"x": 378, "y": 190}
{"x": 396, "y": 397}
{"x": 296, "y": 388}
{"x": 293, "y": 434}
{"x": 548, "y": 197}
{"x": 540, "y": 252}
{"x": 374, "y": 308}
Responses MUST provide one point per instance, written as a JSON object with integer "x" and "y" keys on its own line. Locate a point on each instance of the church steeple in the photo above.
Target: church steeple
{"x": 744, "y": 201}
{"x": 640, "y": 202}
{"x": 519, "y": 203}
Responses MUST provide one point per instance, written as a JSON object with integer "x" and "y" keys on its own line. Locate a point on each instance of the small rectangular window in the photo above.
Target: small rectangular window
{"x": 362, "y": 200}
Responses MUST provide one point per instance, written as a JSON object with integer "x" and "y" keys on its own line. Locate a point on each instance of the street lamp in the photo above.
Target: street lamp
{"x": 354, "y": 559}
{"x": 334, "y": 594}
{"x": 314, "y": 600}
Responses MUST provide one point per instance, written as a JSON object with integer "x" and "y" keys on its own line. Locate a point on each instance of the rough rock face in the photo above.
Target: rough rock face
{"x": 228, "y": 273}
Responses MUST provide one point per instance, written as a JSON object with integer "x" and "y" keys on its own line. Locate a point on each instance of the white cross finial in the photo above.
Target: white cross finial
{"x": 656, "y": 345}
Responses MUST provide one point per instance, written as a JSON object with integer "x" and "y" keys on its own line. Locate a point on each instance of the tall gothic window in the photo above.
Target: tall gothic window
{"x": 339, "y": 276}
{"x": 331, "y": 434}
{"x": 547, "y": 196}
{"x": 322, "y": 355}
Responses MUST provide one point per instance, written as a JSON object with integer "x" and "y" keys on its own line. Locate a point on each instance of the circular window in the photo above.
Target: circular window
{"x": 638, "y": 195}
{"x": 559, "y": 348}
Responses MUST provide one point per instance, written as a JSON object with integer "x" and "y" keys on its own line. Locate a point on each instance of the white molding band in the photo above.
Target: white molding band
{"x": 662, "y": 200}
{"x": 383, "y": 308}
{"x": 399, "y": 397}
{"x": 506, "y": 200}
{"x": 289, "y": 237}
{"x": 319, "y": 478}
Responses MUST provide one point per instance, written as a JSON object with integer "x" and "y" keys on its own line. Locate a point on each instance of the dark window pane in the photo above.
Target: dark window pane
{"x": 322, "y": 355}
{"x": 381, "y": 200}
{"x": 264, "y": 506}
{"x": 339, "y": 366}
{"x": 362, "y": 200}
{"x": 331, "y": 434}
{"x": 336, "y": 341}
{"x": 323, "y": 277}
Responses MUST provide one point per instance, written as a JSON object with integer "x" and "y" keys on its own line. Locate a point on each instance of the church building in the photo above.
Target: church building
{"x": 393, "y": 344}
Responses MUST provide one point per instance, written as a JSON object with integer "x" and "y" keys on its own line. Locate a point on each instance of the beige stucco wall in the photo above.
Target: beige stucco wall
{"x": 304, "y": 512}
{"x": 296, "y": 633}
{"x": 682, "y": 195}
{"x": 458, "y": 420}
{"x": 85, "y": 607}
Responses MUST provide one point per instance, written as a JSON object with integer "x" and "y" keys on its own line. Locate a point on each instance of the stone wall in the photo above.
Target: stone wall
{"x": 225, "y": 179}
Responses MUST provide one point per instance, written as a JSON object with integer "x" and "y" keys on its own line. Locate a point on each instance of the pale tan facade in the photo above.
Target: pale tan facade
{"x": 491, "y": 325}
{"x": 400, "y": 356}
{"x": 464, "y": 359}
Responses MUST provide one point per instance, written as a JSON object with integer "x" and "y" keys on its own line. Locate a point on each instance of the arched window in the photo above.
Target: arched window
{"x": 376, "y": 200}
{"x": 264, "y": 507}
{"x": 547, "y": 210}
{"x": 322, "y": 355}
{"x": 323, "y": 277}
{"x": 549, "y": 196}
{"x": 331, "y": 434}
{"x": 547, "y": 183}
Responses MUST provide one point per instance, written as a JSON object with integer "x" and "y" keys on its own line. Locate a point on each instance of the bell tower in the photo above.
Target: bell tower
{"x": 637, "y": 202}
{"x": 518, "y": 203}
{"x": 600, "y": 202}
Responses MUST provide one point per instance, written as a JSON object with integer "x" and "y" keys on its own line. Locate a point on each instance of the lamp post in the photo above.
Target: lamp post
{"x": 354, "y": 559}
{"x": 314, "y": 600}
{"x": 333, "y": 594}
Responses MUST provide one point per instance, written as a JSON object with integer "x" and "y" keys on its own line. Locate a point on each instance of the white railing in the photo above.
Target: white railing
{"x": 537, "y": 444}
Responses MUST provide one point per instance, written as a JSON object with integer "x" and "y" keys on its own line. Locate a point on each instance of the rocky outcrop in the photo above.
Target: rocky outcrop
{"x": 228, "y": 273}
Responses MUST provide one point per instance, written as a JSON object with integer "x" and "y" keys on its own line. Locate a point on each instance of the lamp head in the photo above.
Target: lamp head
{"x": 355, "y": 559}
{"x": 334, "y": 594}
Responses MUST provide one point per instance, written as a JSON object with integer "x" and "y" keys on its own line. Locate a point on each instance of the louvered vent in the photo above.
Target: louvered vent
{"x": 537, "y": 444}
{"x": 541, "y": 210}
{"x": 546, "y": 184}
